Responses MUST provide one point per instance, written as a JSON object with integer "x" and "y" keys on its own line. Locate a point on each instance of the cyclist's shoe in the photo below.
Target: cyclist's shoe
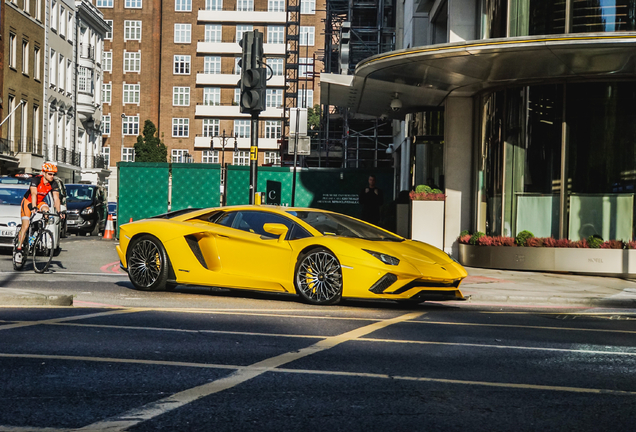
{"x": 17, "y": 257}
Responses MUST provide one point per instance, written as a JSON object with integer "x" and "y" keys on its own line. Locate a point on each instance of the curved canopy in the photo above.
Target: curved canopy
{"x": 424, "y": 76}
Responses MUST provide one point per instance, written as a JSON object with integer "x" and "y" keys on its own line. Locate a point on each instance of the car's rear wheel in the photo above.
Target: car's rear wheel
{"x": 147, "y": 263}
{"x": 318, "y": 277}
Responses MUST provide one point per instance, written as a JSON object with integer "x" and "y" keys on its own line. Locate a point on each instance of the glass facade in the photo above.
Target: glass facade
{"x": 532, "y": 137}
{"x": 509, "y": 18}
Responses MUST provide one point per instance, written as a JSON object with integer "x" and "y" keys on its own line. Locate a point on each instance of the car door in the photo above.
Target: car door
{"x": 246, "y": 250}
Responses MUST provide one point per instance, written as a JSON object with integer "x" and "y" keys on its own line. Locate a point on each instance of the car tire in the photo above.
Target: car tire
{"x": 95, "y": 230}
{"x": 148, "y": 263}
{"x": 318, "y": 277}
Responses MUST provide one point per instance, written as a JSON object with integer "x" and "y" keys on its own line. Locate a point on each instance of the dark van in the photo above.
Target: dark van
{"x": 86, "y": 209}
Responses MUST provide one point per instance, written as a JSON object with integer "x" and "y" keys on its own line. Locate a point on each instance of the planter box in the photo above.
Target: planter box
{"x": 427, "y": 222}
{"x": 606, "y": 262}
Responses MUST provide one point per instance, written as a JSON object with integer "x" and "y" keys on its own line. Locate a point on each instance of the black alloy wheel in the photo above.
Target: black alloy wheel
{"x": 43, "y": 251}
{"x": 318, "y": 277}
{"x": 147, "y": 263}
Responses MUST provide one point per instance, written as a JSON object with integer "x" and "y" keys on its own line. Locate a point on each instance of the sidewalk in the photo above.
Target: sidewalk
{"x": 524, "y": 288}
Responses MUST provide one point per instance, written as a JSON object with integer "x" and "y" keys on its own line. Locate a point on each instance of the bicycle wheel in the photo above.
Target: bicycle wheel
{"x": 43, "y": 251}
{"x": 24, "y": 252}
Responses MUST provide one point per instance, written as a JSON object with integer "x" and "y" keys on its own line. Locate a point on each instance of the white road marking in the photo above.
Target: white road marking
{"x": 65, "y": 319}
{"x": 154, "y": 409}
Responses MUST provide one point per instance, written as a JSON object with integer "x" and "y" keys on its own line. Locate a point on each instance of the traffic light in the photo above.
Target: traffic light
{"x": 253, "y": 75}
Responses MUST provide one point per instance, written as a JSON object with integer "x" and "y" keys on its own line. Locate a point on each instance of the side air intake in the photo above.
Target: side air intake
{"x": 385, "y": 282}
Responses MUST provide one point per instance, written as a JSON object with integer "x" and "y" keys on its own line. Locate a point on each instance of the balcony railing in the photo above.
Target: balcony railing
{"x": 8, "y": 147}
{"x": 70, "y": 157}
{"x": 31, "y": 145}
{"x": 95, "y": 162}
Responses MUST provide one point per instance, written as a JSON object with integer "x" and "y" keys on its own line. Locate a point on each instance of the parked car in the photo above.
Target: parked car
{"x": 86, "y": 209}
{"x": 11, "y": 195}
{"x": 112, "y": 211}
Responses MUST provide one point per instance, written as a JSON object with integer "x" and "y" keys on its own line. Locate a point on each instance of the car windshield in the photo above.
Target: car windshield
{"x": 339, "y": 225}
{"x": 76, "y": 193}
{"x": 11, "y": 196}
{"x": 112, "y": 207}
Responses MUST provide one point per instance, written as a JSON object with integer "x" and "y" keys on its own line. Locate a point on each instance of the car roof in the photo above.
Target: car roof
{"x": 14, "y": 186}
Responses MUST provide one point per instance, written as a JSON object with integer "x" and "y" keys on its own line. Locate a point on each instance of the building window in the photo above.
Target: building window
{"x": 69, "y": 76}
{"x": 275, "y": 34}
{"x": 132, "y": 61}
{"x": 305, "y": 67}
{"x": 237, "y": 67}
{"x": 104, "y": 3}
{"x": 273, "y": 129}
{"x": 240, "y": 29}
{"x": 128, "y": 154}
{"x": 54, "y": 15}
{"x": 61, "y": 70}
{"x": 183, "y": 5}
{"x": 211, "y": 127}
{"x": 62, "y": 21}
{"x": 37, "y": 63}
{"x": 307, "y": 6}
{"x": 180, "y": 127}
{"x": 106, "y": 125}
{"x": 272, "y": 158}
{"x": 242, "y": 128}
{"x": 212, "y": 96}
{"x": 210, "y": 156}
{"x": 181, "y": 96}
{"x": 36, "y": 121}
{"x": 241, "y": 158}
{"x": 69, "y": 36}
{"x": 130, "y": 125}
{"x": 237, "y": 96}
{"x": 214, "y": 5}
{"x": 52, "y": 64}
{"x": 307, "y": 36}
{"x": 245, "y": 5}
{"x": 182, "y": 33}
{"x": 277, "y": 66}
{"x": 276, "y": 6}
{"x": 13, "y": 46}
{"x": 182, "y": 65}
{"x": 305, "y": 98}
{"x": 132, "y": 30}
{"x": 179, "y": 155}
{"x": 212, "y": 65}
{"x": 27, "y": 7}
{"x": 106, "y": 152}
{"x": 131, "y": 94}
{"x": 106, "y": 92}
{"x": 274, "y": 98}
{"x": 213, "y": 33}
{"x": 25, "y": 57}
{"x": 83, "y": 76}
{"x": 107, "y": 61}
{"x": 109, "y": 34}
{"x": 132, "y": 4}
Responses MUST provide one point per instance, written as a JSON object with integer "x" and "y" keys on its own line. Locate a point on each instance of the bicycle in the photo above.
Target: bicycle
{"x": 39, "y": 242}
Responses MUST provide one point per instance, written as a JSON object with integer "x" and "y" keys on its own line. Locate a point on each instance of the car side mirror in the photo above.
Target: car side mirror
{"x": 277, "y": 229}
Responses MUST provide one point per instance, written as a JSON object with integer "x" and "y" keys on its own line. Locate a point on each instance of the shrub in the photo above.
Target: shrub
{"x": 562, "y": 243}
{"x": 464, "y": 239}
{"x": 464, "y": 233}
{"x": 631, "y": 244}
{"x": 594, "y": 241}
{"x": 535, "y": 242}
{"x": 523, "y": 237}
{"x": 612, "y": 244}
{"x": 475, "y": 237}
{"x": 581, "y": 244}
{"x": 423, "y": 189}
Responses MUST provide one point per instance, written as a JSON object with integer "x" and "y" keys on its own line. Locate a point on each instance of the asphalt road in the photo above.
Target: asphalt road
{"x": 209, "y": 359}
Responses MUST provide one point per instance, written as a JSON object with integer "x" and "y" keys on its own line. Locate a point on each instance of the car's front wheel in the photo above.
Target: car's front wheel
{"x": 147, "y": 263}
{"x": 318, "y": 277}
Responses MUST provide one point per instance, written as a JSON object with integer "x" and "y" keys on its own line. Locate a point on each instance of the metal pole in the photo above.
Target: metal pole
{"x": 253, "y": 157}
{"x": 293, "y": 197}
{"x": 12, "y": 111}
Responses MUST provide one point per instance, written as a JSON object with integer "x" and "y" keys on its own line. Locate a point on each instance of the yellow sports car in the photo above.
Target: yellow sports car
{"x": 320, "y": 255}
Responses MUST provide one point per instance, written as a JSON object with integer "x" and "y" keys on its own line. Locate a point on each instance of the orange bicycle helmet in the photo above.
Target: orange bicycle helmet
{"x": 49, "y": 167}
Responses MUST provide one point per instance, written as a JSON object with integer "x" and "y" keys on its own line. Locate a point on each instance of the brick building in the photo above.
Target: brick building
{"x": 175, "y": 63}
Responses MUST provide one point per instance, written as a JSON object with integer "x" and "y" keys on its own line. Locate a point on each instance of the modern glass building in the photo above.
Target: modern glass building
{"x": 539, "y": 105}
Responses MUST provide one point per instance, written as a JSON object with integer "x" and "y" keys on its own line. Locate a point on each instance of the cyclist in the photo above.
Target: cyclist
{"x": 33, "y": 201}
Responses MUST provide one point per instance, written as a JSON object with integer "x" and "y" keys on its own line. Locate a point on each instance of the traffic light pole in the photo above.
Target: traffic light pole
{"x": 253, "y": 157}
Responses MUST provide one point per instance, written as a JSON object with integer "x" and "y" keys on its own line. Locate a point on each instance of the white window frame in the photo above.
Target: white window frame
{"x": 132, "y": 30}
{"x": 61, "y": 72}
{"x": 241, "y": 157}
{"x": 83, "y": 79}
{"x": 106, "y": 152}
{"x": 237, "y": 96}
{"x": 213, "y": 33}
{"x": 308, "y": 7}
{"x": 271, "y": 157}
{"x": 307, "y": 36}
{"x": 275, "y": 34}
{"x": 131, "y": 93}
{"x": 245, "y": 5}
{"x": 305, "y": 65}
{"x": 132, "y": 61}
{"x": 183, "y": 5}
{"x": 25, "y": 57}
{"x": 109, "y": 35}
{"x": 182, "y": 33}
{"x": 214, "y": 5}
{"x": 181, "y": 62}
{"x": 180, "y": 127}
{"x": 308, "y": 100}
{"x": 130, "y": 125}
{"x": 210, "y": 156}
{"x": 277, "y": 64}
{"x": 37, "y": 62}
{"x": 107, "y": 92}
{"x": 242, "y": 28}
{"x": 211, "y": 127}
{"x": 237, "y": 67}
{"x": 13, "y": 48}
{"x": 273, "y": 129}
{"x": 274, "y": 98}
{"x": 180, "y": 96}
{"x": 127, "y": 154}
{"x": 107, "y": 61}
{"x": 179, "y": 155}
{"x": 276, "y": 6}
{"x": 212, "y": 65}
{"x": 242, "y": 128}
{"x": 133, "y": 4}
{"x": 212, "y": 96}
{"x": 104, "y": 3}
{"x": 62, "y": 22}
{"x": 106, "y": 126}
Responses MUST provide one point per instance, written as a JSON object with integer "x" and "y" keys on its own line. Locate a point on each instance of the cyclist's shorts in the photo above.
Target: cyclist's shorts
{"x": 25, "y": 212}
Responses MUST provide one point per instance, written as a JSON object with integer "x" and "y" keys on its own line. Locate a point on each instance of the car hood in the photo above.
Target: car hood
{"x": 77, "y": 205}
{"x": 9, "y": 213}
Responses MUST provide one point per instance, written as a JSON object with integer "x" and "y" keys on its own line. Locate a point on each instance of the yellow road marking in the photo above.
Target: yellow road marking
{"x": 154, "y": 409}
{"x": 65, "y": 319}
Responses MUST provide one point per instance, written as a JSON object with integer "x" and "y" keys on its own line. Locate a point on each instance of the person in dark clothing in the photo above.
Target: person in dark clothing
{"x": 371, "y": 200}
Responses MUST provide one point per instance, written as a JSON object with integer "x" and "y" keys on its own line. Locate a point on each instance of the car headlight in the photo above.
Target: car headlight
{"x": 87, "y": 210}
{"x": 386, "y": 259}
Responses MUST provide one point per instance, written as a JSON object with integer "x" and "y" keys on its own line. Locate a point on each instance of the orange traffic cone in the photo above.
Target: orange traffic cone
{"x": 110, "y": 229}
